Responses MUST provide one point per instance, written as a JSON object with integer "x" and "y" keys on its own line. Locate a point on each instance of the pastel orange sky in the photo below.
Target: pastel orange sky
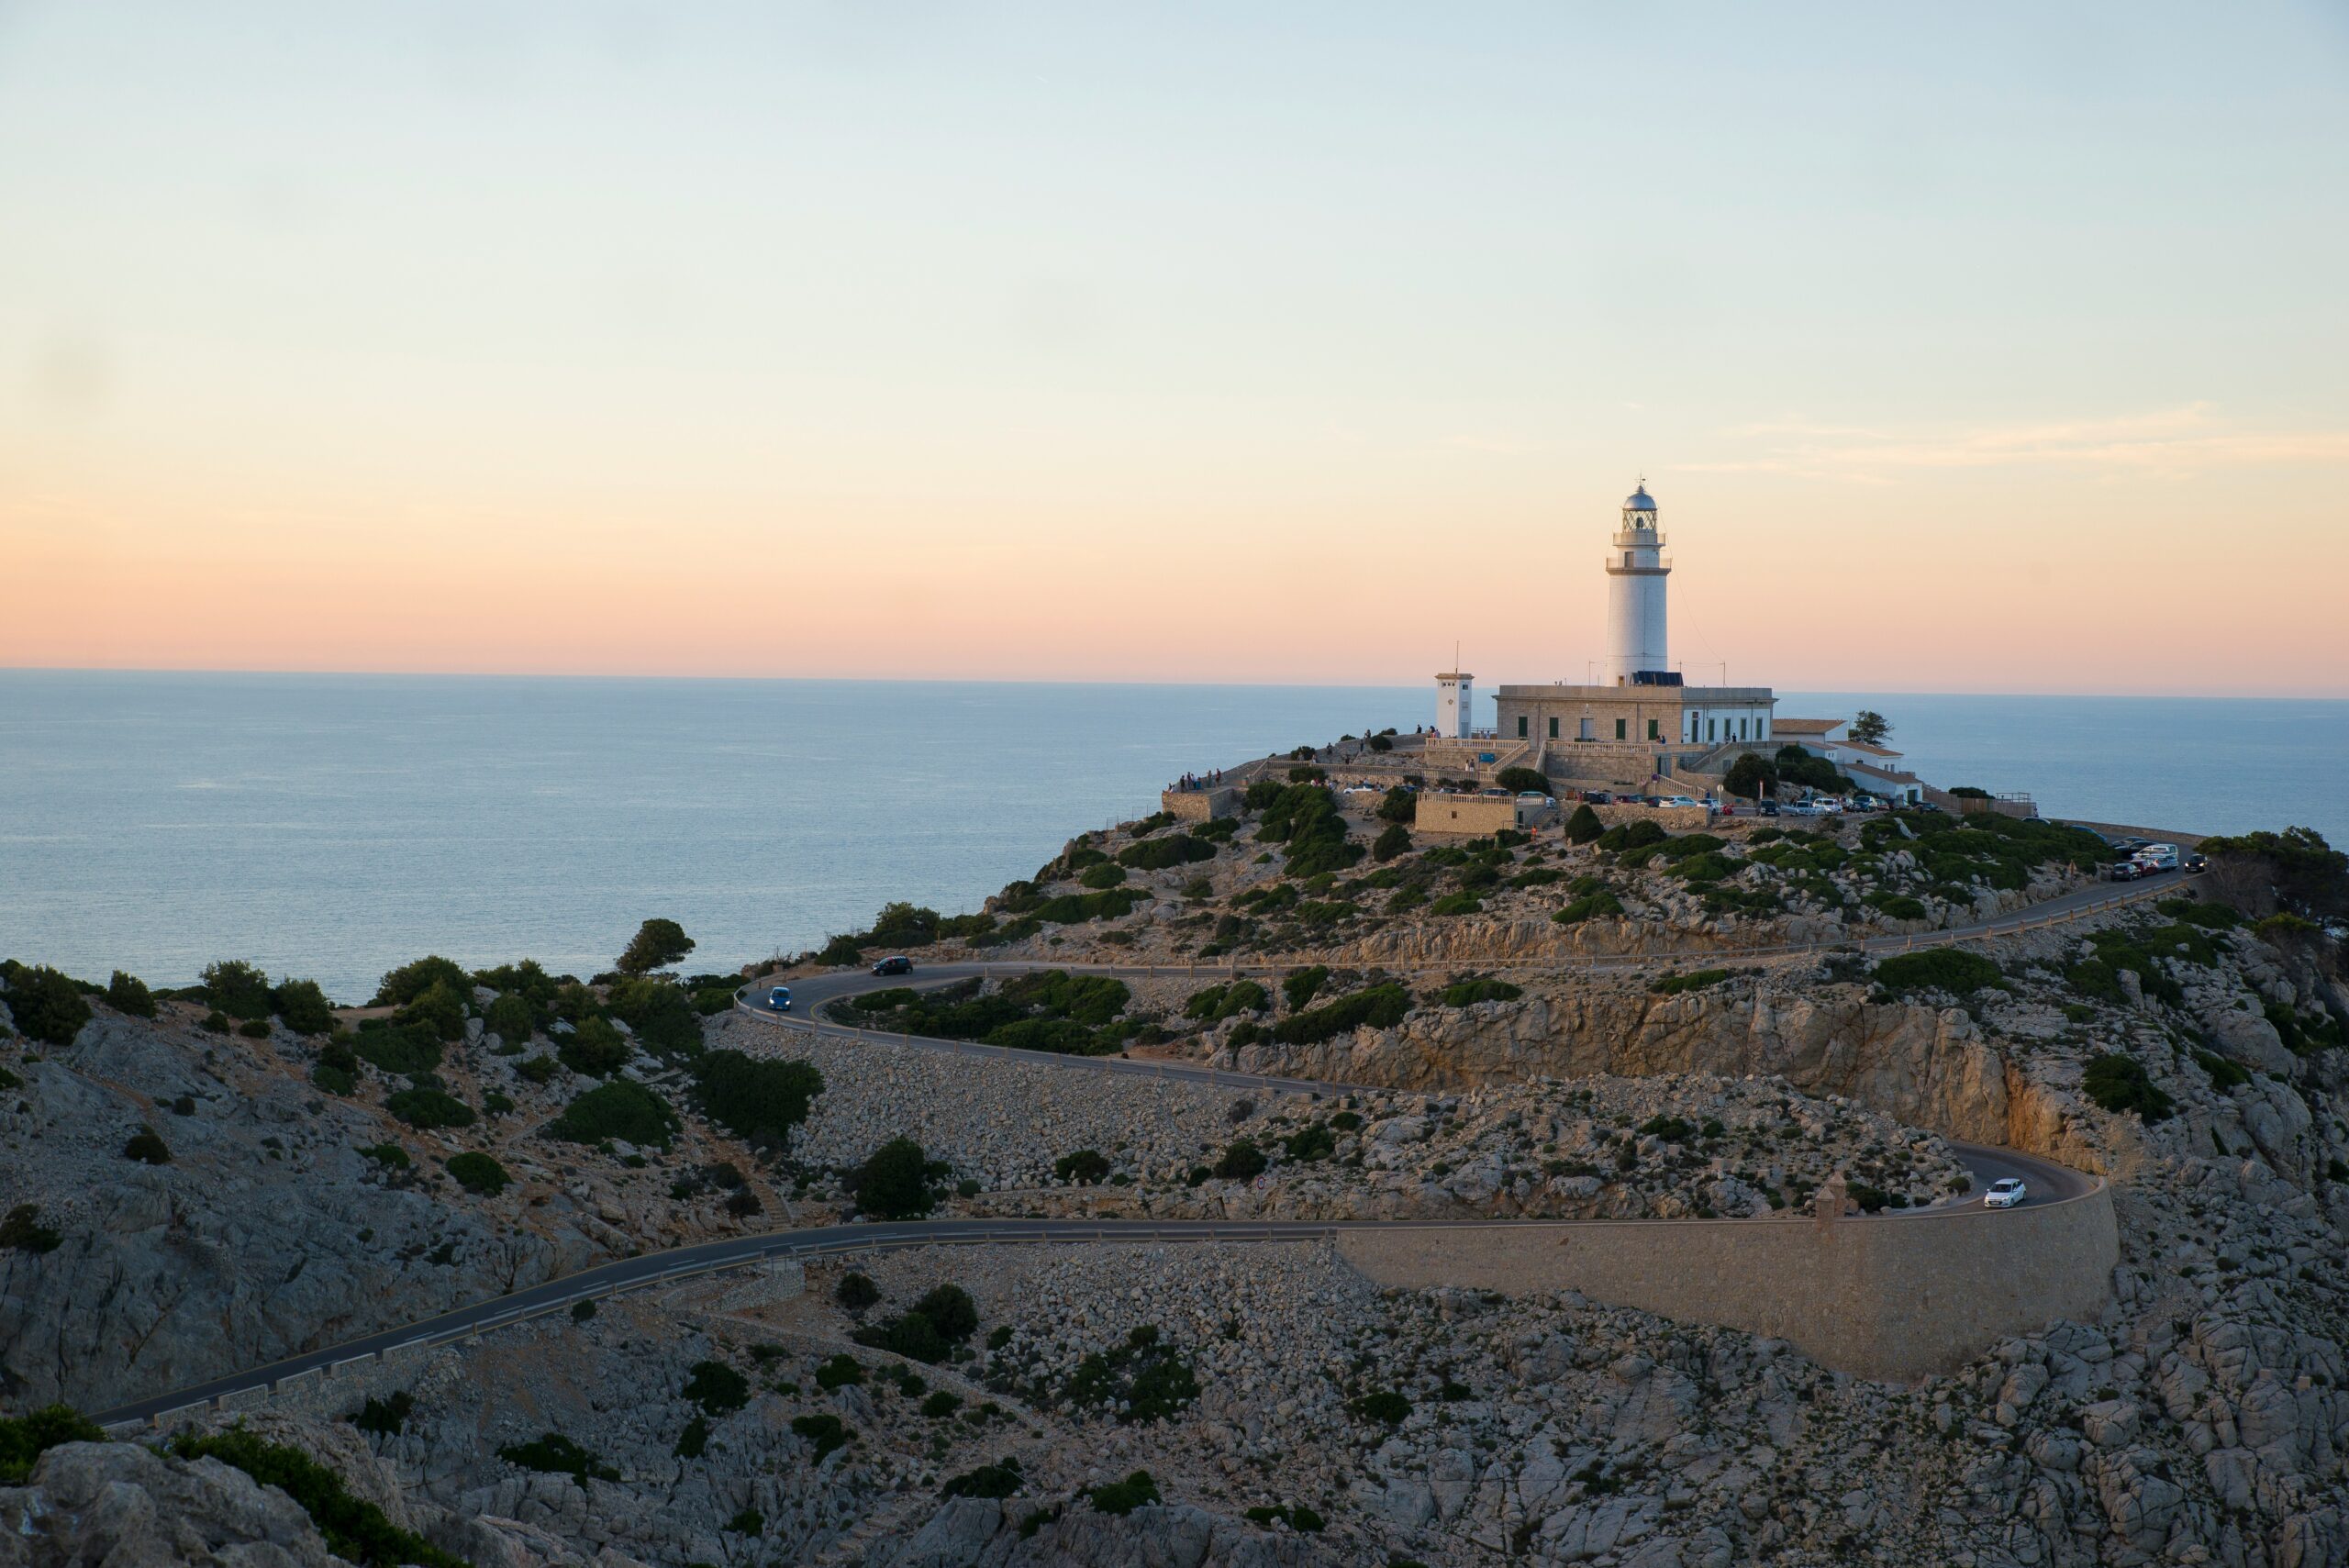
{"x": 1987, "y": 353}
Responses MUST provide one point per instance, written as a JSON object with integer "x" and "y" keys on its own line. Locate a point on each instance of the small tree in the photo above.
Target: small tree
{"x": 1400, "y": 805}
{"x": 1751, "y": 776}
{"x": 47, "y": 1005}
{"x": 128, "y": 994}
{"x": 1524, "y": 781}
{"x": 1395, "y": 840}
{"x": 1869, "y": 728}
{"x": 894, "y": 1182}
{"x": 657, "y": 944}
{"x": 1584, "y": 826}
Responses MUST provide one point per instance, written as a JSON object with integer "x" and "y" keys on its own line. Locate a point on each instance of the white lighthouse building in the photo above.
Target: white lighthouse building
{"x": 1635, "y": 574}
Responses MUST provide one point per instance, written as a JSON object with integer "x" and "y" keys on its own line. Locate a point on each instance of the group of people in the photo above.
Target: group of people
{"x": 1200, "y": 780}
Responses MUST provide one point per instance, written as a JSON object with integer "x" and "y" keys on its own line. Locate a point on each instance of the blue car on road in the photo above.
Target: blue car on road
{"x": 780, "y": 998}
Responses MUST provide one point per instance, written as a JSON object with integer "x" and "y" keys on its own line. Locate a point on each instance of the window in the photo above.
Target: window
{"x": 1627, "y": 559}
{"x": 1618, "y": 729}
{"x": 1741, "y": 729}
{"x": 1589, "y": 731}
{"x": 1711, "y": 725}
{"x": 1652, "y": 734}
{"x": 1553, "y": 729}
{"x": 1520, "y": 727}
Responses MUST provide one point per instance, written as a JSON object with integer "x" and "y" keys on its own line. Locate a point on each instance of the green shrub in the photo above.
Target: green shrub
{"x": 1109, "y": 873}
{"x": 254, "y": 1029}
{"x": 1308, "y": 1144}
{"x": 385, "y": 1417}
{"x": 1395, "y": 840}
{"x": 1122, "y": 1498}
{"x": 856, "y": 1292}
{"x": 1385, "y": 1406}
{"x": 1164, "y": 854}
{"x": 303, "y": 1007}
{"x": 354, "y": 1530}
{"x": 47, "y": 1005}
{"x": 597, "y": 1050}
{"x": 941, "y": 1405}
{"x": 1897, "y": 906}
{"x": 1305, "y": 817}
{"x": 408, "y": 981}
{"x": 537, "y": 1069}
{"x": 1399, "y": 807}
{"x": 755, "y": 1098}
{"x": 1954, "y": 970}
{"x": 334, "y": 1080}
{"x": 624, "y": 1109}
{"x": 554, "y": 1454}
{"x": 2224, "y": 1074}
{"x": 1524, "y": 781}
{"x": 656, "y": 945}
{"x": 24, "y": 1438}
{"x": 1074, "y": 909}
{"x": 824, "y": 1431}
{"x": 391, "y": 1156}
{"x": 148, "y": 1148}
{"x": 896, "y": 1182}
{"x": 1144, "y": 1380}
{"x": 929, "y": 1330}
{"x": 429, "y": 1108}
{"x": 1242, "y": 1161}
{"x": 2120, "y": 1084}
{"x": 717, "y": 1387}
{"x": 128, "y": 994}
{"x": 666, "y": 1020}
{"x": 1601, "y": 901}
{"x": 841, "y": 1370}
{"x": 22, "y": 1231}
{"x": 1633, "y": 837}
{"x": 1379, "y": 1006}
{"x": 1466, "y": 993}
{"x": 998, "y": 1480}
{"x": 1583, "y": 825}
{"x": 1213, "y": 1003}
{"x": 236, "y": 988}
{"x": 478, "y": 1174}
{"x": 1457, "y": 904}
{"x": 396, "y": 1048}
{"x": 1085, "y": 1168}
{"x": 1694, "y": 980}
{"x": 1298, "y": 986}
{"x": 694, "y": 1441}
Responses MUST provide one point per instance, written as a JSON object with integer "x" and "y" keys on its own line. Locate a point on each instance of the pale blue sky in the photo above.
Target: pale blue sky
{"x": 1293, "y": 278}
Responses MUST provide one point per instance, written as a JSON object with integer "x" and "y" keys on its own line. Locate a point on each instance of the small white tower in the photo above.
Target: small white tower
{"x": 1635, "y": 574}
{"x": 1454, "y": 692}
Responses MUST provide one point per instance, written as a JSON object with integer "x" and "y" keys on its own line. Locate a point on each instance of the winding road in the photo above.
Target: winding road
{"x": 2048, "y": 1182}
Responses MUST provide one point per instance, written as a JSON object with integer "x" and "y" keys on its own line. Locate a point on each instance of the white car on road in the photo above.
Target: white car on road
{"x": 2004, "y": 1193}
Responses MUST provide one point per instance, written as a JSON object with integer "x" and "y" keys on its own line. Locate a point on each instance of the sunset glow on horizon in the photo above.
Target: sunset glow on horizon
{"x": 1981, "y": 351}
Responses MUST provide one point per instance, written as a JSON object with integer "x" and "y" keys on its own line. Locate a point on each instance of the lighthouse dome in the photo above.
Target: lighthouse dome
{"x": 1639, "y": 501}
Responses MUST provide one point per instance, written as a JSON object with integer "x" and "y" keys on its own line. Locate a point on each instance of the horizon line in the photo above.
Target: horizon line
{"x": 13, "y": 669}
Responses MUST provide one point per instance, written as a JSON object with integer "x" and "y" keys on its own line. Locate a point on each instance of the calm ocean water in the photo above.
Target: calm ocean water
{"x": 334, "y": 826}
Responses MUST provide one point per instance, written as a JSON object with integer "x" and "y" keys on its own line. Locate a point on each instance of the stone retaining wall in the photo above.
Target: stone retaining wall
{"x": 1199, "y": 805}
{"x": 1889, "y": 1298}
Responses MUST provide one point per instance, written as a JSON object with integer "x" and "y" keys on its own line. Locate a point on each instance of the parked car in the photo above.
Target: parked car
{"x": 1765, "y": 809}
{"x": 2124, "y": 870}
{"x": 780, "y": 998}
{"x": 1675, "y": 800}
{"x": 1598, "y": 797}
{"x": 2162, "y": 857}
{"x": 2004, "y": 1193}
{"x": 896, "y": 964}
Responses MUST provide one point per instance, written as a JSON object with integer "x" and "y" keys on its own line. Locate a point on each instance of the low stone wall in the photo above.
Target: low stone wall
{"x": 1677, "y": 819}
{"x": 1437, "y": 812}
{"x": 1198, "y": 805}
{"x": 1889, "y": 1298}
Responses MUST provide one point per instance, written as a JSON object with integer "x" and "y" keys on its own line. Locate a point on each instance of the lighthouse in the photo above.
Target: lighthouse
{"x": 1635, "y": 574}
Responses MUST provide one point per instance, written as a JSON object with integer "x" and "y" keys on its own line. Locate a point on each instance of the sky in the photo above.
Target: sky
{"x": 1993, "y": 348}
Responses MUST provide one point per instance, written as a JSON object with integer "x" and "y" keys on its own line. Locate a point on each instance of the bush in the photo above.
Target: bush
{"x": 1242, "y": 1162}
{"x": 718, "y": 1388}
{"x": 1399, "y": 807}
{"x": 1214, "y": 1004}
{"x": 694, "y": 1441}
{"x": 2119, "y": 1084}
{"x": 1308, "y": 1144}
{"x": 1395, "y": 840}
{"x": 537, "y": 1069}
{"x": 236, "y": 988}
{"x": 626, "y": 1110}
{"x": 334, "y": 1080}
{"x": 478, "y": 1174}
{"x": 254, "y": 1029}
{"x": 2224, "y": 1074}
{"x": 1297, "y": 986}
{"x": 1109, "y": 873}
{"x": 596, "y": 1049}
{"x": 1466, "y": 993}
{"x": 1164, "y": 854}
{"x": 856, "y": 1292}
{"x": 1523, "y": 781}
{"x": 47, "y": 1005}
{"x": 1751, "y": 776}
{"x": 941, "y": 1405}
{"x": 1085, "y": 1168}
{"x": 895, "y": 1181}
{"x": 1305, "y": 816}
{"x": 554, "y": 1454}
{"x": 1954, "y": 970}
{"x": 1694, "y": 980}
{"x": 755, "y": 1098}
{"x": 1142, "y": 1380}
{"x": 1385, "y": 1406}
{"x": 1380, "y": 1007}
{"x": 148, "y": 1148}
{"x": 841, "y": 1370}
{"x": 391, "y": 1156}
{"x": 824, "y": 1431}
{"x": 385, "y": 1417}
{"x": 666, "y": 1020}
{"x": 22, "y": 1231}
{"x": 24, "y": 1438}
{"x": 303, "y": 1007}
{"x": 1122, "y": 1498}
{"x": 128, "y": 993}
{"x": 1583, "y": 825}
{"x": 429, "y": 1108}
{"x": 354, "y": 1530}
{"x": 396, "y": 1048}
{"x": 1599, "y": 901}
{"x": 929, "y": 1330}
{"x": 656, "y": 945}
{"x": 998, "y": 1480}
{"x": 408, "y": 981}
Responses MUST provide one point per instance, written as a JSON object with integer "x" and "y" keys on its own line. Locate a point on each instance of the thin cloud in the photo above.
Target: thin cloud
{"x": 2166, "y": 442}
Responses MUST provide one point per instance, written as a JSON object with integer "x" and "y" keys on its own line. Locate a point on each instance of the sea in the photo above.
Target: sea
{"x": 334, "y": 826}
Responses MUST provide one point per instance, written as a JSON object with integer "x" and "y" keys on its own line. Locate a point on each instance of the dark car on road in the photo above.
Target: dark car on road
{"x": 2126, "y": 871}
{"x": 896, "y": 964}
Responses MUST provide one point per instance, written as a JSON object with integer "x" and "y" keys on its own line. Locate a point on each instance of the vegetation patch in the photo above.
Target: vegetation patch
{"x": 929, "y": 1330}
{"x": 479, "y": 1173}
{"x": 897, "y": 1181}
{"x": 1954, "y": 970}
{"x": 998, "y": 1480}
{"x": 554, "y": 1454}
{"x": 2119, "y": 1084}
{"x": 624, "y": 1109}
{"x": 1379, "y": 1006}
{"x": 22, "y": 1231}
{"x": 354, "y": 1530}
{"x": 425, "y": 1109}
{"x": 1467, "y": 993}
{"x": 24, "y": 1438}
{"x": 823, "y": 1431}
{"x": 1692, "y": 980}
{"x": 756, "y": 1098}
{"x": 1122, "y": 1498}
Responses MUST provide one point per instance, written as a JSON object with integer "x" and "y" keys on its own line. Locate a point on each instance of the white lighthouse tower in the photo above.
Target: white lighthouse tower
{"x": 1635, "y": 574}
